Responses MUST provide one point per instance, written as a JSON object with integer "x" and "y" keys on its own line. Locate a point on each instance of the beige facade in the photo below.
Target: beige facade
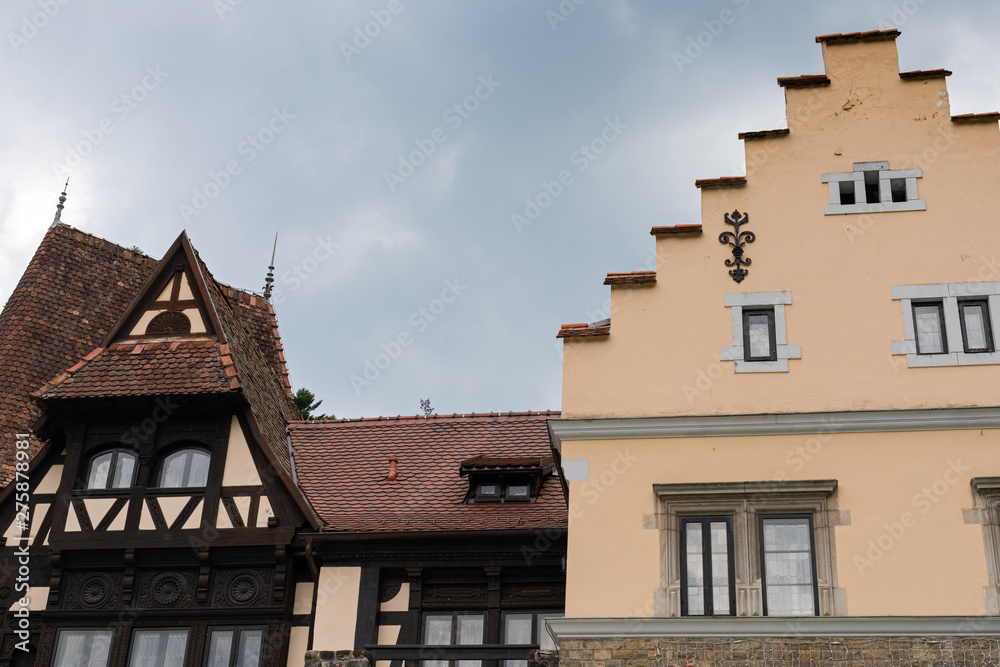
{"x": 876, "y": 200}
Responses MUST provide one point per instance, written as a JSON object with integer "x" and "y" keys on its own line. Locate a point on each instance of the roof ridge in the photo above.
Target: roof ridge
{"x": 470, "y": 415}
{"x": 99, "y": 242}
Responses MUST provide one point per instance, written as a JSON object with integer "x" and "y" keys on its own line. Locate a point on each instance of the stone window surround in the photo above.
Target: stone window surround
{"x": 745, "y": 502}
{"x": 986, "y": 491}
{"x": 886, "y": 204}
{"x": 737, "y": 301}
{"x": 949, "y": 294}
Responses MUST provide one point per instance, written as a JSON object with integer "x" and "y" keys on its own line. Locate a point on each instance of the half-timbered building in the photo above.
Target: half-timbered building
{"x": 164, "y": 505}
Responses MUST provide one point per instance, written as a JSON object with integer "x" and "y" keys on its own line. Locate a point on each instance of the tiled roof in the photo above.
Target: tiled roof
{"x": 676, "y": 229}
{"x": 721, "y": 182}
{"x": 160, "y": 368}
{"x": 72, "y": 292}
{"x": 871, "y": 35}
{"x": 925, "y": 74}
{"x": 343, "y": 467}
{"x": 976, "y": 117}
{"x": 583, "y": 330}
{"x": 633, "y": 278}
{"x": 762, "y": 134}
{"x": 803, "y": 80}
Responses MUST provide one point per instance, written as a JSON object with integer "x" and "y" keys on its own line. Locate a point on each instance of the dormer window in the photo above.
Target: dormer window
{"x": 504, "y": 480}
{"x": 873, "y": 188}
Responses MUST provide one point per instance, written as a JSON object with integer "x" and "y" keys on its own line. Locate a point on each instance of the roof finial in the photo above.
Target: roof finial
{"x": 59, "y": 206}
{"x": 270, "y": 273}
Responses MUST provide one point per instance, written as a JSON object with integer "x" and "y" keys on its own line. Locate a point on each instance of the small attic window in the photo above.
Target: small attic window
{"x": 873, "y": 188}
{"x": 505, "y": 479}
{"x": 169, "y": 322}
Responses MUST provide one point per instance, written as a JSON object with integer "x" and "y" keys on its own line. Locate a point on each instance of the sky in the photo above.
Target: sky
{"x": 449, "y": 181}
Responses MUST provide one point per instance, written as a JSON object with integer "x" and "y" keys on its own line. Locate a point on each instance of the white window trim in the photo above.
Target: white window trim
{"x": 885, "y": 204}
{"x": 949, "y": 294}
{"x": 737, "y": 301}
{"x": 745, "y": 502}
{"x": 986, "y": 492}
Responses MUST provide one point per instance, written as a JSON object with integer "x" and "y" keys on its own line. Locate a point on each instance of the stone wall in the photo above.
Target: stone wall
{"x": 338, "y": 659}
{"x": 782, "y": 652}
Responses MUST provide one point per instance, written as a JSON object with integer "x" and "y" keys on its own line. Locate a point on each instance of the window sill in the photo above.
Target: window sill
{"x": 844, "y": 209}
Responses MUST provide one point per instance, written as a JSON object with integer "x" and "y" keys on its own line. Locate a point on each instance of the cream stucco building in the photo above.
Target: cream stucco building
{"x": 788, "y": 435}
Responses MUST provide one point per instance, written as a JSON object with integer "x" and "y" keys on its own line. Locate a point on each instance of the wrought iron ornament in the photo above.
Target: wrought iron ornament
{"x": 737, "y": 240}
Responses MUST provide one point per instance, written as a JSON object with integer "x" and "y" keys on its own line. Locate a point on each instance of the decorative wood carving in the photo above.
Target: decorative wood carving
{"x": 242, "y": 588}
{"x": 128, "y": 581}
{"x": 166, "y": 589}
{"x": 279, "y": 574}
{"x": 81, "y": 514}
{"x": 56, "y": 561}
{"x": 169, "y": 322}
{"x": 234, "y": 513}
{"x": 156, "y": 513}
{"x": 204, "y": 574}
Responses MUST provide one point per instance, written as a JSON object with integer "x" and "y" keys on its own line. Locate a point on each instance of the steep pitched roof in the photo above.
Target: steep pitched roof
{"x": 343, "y": 468}
{"x": 74, "y": 288}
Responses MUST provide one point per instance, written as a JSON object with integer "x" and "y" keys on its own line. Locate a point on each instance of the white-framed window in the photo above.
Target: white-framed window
{"x": 873, "y": 188}
{"x": 158, "y": 648}
{"x": 234, "y": 646}
{"x": 760, "y": 344}
{"x": 749, "y": 549}
{"x": 948, "y": 324}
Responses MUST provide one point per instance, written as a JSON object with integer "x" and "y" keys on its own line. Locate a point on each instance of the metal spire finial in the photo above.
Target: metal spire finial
{"x": 59, "y": 206}
{"x": 269, "y": 280}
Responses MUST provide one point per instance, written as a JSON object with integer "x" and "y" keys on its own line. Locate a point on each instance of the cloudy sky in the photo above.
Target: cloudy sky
{"x": 400, "y": 149}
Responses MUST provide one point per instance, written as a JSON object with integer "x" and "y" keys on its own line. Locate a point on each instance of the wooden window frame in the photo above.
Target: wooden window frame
{"x": 114, "y": 451}
{"x": 707, "y": 574}
{"x": 135, "y": 633}
{"x": 236, "y": 630}
{"x": 187, "y": 468}
{"x": 761, "y": 518}
{"x": 61, "y": 630}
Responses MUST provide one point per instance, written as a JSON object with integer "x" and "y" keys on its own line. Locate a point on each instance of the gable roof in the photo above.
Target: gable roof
{"x": 74, "y": 288}
{"x": 78, "y": 293}
{"x": 343, "y": 468}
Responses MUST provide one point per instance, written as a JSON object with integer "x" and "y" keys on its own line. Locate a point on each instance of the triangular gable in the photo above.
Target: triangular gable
{"x": 173, "y": 302}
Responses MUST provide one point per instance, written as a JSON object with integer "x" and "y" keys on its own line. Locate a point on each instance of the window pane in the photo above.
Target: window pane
{"x": 172, "y": 474}
{"x": 158, "y": 648}
{"x": 469, "y": 631}
{"x": 695, "y": 580}
{"x": 100, "y": 468}
{"x": 930, "y": 338}
{"x": 83, "y": 648}
{"x": 517, "y": 491}
{"x": 720, "y": 567}
{"x": 760, "y": 335}
{"x": 198, "y": 475}
{"x": 249, "y": 654}
{"x": 517, "y": 629}
{"x": 788, "y": 566}
{"x": 487, "y": 489}
{"x": 220, "y": 648}
{"x": 974, "y": 318}
{"x": 437, "y": 629}
{"x": 124, "y": 468}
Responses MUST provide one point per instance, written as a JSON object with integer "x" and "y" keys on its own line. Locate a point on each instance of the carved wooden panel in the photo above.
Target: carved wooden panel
{"x": 249, "y": 587}
{"x": 167, "y": 588}
{"x": 92, "y": 590}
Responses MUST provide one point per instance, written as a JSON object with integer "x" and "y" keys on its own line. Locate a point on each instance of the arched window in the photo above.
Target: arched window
{"x": 113, "y": 469}
{"x": 184, "y": 468}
